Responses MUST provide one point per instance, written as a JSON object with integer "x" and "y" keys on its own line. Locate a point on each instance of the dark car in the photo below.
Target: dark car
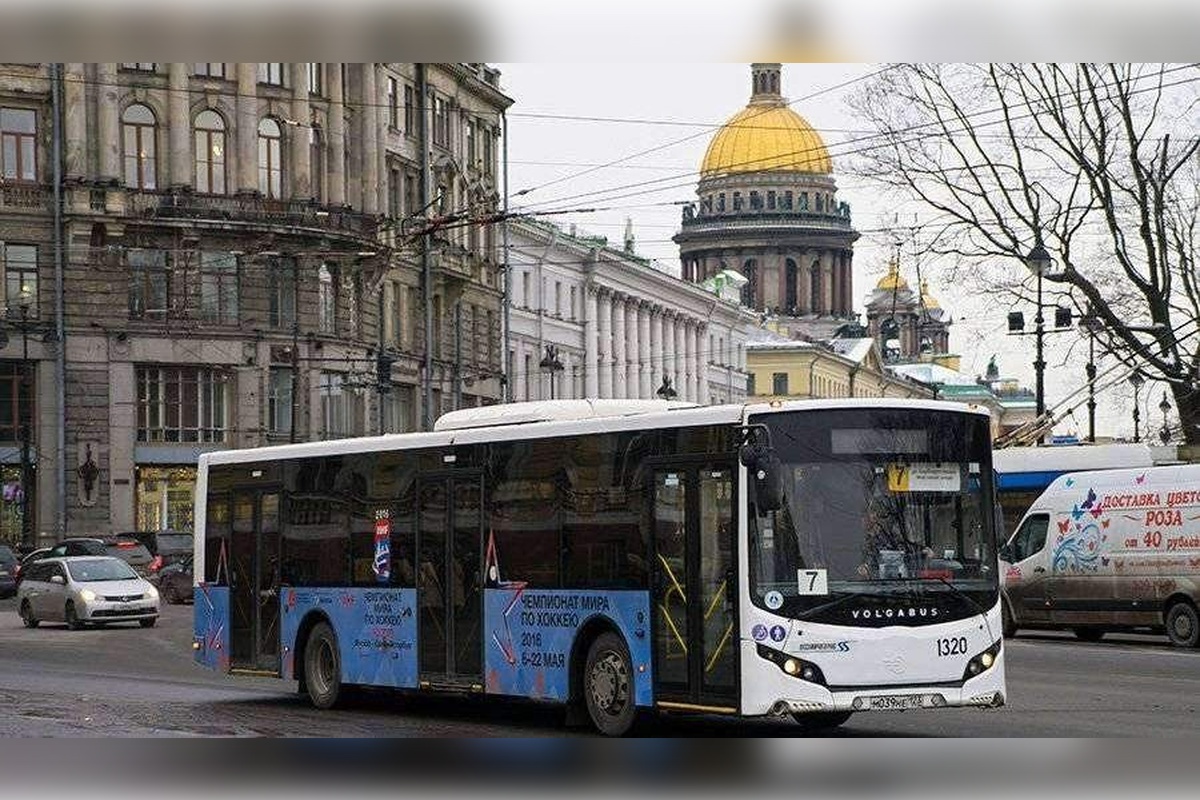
{"x": 175, "y": 581}
{"x": 166, "y": 547}
{"x": 9, "y": 567}
{"x": 132, "y": 552}
{"x": 76, "y": 546}
{"x": 29, "y": 558}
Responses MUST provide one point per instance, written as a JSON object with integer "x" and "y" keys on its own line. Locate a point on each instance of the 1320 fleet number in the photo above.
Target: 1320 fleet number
{"x": 954, "y": 646}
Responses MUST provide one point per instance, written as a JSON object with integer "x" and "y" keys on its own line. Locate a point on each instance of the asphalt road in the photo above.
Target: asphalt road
{"x": 129, "y": 681}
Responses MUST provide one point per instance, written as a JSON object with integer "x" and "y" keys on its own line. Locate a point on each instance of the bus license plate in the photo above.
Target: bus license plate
{"x": 897, "y": 702}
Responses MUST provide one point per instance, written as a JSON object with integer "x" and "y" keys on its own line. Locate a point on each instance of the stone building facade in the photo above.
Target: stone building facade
{"x": 205, "y": 256}
{"x": 618, "y": 325}
{"x": 767, "y": 208}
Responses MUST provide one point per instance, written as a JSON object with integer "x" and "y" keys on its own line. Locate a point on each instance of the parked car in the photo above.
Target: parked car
{"x": 132, "y": 552}
{"x": 9, "y": 567}
{"x": 175, "y": 581}
{"x": 80, "y": 590}
{"x": 168, "y": 547}
{"x": 77, "y": 546}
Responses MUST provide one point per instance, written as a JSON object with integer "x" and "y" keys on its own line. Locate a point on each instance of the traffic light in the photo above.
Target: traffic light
{"x": 383, "y": 372}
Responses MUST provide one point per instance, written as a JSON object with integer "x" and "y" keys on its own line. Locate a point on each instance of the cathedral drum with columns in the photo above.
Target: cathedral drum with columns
{"x": 767, "y": 208}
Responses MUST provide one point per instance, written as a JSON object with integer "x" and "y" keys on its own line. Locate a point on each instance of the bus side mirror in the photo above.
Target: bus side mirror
{"x": 766, "y": 472}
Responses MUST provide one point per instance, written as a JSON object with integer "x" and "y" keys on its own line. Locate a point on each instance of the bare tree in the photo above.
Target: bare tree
{"x": 1097, "y": 161}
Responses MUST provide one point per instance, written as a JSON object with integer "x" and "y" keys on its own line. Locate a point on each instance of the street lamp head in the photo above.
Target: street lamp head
{"x": 1165, "y": 405}
{"x": 1137, "y": 379}
{"x": 1038, "y": 261}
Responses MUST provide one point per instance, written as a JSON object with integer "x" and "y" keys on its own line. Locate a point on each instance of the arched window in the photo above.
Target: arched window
{"x": 270, "y": 153}
{"x": 210, "y": 152}
{"x": 316, "y": 157}
{"x": 750, "y": 290}
{"x": 791, "y": 294}
{"x": 138, "y": 142}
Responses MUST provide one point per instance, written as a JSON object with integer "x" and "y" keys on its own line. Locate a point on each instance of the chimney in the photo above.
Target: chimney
{"x": 629, "y": 235}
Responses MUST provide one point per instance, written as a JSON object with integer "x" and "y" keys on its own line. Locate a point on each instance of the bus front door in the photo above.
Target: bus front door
{"x": 254, "y": 582}
{"x": 449, "y": 581}
{"x": 695, "y": 636}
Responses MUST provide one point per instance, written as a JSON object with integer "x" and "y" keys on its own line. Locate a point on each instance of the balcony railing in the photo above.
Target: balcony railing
{"x": 246, "y": 208}
{"x": 24, "y": 197}
{"x": 751, "y": 218}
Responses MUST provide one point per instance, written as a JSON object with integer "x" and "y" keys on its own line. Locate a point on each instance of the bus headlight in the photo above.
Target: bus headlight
{"x": 796, "y": 667}
{"x": 982, "y": 662}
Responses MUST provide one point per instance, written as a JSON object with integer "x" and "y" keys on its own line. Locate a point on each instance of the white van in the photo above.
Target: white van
{"x": 1108, "y": 550}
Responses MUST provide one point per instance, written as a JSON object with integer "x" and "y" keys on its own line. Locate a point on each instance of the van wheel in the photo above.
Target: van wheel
{"x": 322, "y": 666}
{"x": 1008, "y": 625}
{"x": 1183, "y": 625}
{"x": 1089, "y": 634}
{"x": 27, "y": 615}
{"x": 608, "y": 685}
{"x": 822, "y": 720}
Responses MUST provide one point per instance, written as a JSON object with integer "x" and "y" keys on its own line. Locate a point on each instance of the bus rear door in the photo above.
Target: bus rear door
{"x": 254, "y": 582}
{"x": 449, "y": 580}
{"x": 695, "y": 638}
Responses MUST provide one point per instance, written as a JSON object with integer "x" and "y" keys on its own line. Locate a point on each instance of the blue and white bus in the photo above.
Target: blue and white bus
{"x": 813, "y": 559}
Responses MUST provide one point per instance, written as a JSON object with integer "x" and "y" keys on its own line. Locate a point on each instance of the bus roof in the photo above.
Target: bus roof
{"x": 546, "y": 419}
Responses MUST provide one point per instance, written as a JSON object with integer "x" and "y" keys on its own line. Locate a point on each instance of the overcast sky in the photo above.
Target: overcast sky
{"x": 628, "y": 139}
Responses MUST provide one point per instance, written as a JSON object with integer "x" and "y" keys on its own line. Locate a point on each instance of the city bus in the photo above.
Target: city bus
{"x": 810, "y": 559}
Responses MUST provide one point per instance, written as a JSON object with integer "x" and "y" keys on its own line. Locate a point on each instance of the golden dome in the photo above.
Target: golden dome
{"x": 892, "y": 280}
{"x": 764, "y": 137}
{"x": 928, "y": 300}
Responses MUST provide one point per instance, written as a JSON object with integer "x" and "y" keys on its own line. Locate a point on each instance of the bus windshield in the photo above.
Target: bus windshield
{"x": 879, "y": 503}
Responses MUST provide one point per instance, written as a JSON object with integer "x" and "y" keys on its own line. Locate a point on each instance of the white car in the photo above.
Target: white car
{"x": 79, "y": 590}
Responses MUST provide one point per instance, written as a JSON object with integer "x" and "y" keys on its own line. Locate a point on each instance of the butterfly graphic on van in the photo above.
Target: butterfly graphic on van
{"x": 1091, "y": 499}
{"x": 1140, "y": 478}
{"x": 1076, "y": 513}
{"x": 1063, "y": 525}
{"x": 1070, "y": 482}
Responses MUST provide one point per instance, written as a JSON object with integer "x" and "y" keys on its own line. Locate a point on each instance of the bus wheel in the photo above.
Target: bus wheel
{"x": 608, "y": 685}
{"x": 1183, "y": 625}
{"x": 1008, "y": 625}
{"x": 822, "y": 720}
{"x": 1089, "y": 634}
{"x": 322, "y": 666}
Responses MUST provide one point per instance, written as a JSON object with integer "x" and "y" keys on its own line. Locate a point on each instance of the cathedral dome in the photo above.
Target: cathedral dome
{"x": 766, "y": 136}
{"x": 893, "y": 280}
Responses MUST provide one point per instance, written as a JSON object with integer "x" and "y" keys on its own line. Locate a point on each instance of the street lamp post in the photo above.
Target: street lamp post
{"x": 26, "y": 434}
{"x": 1136, "y": 380}
{"x": 550, "y": 363}
{"x": 1164, "y": 432}
{"x": 1090, "y": 324}
{"x": 1038, "y": 262}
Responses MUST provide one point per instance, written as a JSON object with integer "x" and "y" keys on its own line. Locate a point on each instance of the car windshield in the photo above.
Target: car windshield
{"x": 877, "y": 502}
{"x": 100, "y": 569}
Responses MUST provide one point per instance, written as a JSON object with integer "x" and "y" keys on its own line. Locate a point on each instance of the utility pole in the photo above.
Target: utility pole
{"x": 426, "y": 264}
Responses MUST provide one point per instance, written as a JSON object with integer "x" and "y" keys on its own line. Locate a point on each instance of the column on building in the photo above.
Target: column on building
{"x": 657, "y": 350}
{"x": 370, "y": 134}
{"x": 645, "y": 353}
{"x": 604, "y": 344}
{"x": 804, "y": 282}
{"x": 679, "y": 358}
{"x": 108, "y": 123}
{"x": 591, "y": 383}
{"x": 686, "y": 355}
{"x": 300, "y": 135}
{"x": 247, "y": 128}
{"x": 827, "y": 281}
{"x": 619, "y": 355}
{"x": 75, "y": 128}
{"x": 700, "y": 363}
{"x": 336, "y": 128}
{"x": 179, "y": 127}
{"x": 632, "y": 389}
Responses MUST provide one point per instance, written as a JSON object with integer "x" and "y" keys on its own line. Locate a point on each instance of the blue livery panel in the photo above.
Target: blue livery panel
{"x": 210, "y": 631}
{"x": 530, "y": 634}
{"x": 376, "y": 632}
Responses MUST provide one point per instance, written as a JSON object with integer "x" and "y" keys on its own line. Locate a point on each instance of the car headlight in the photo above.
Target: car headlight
{"x": 87, "y": 595}
{"x": 151, "y": 592}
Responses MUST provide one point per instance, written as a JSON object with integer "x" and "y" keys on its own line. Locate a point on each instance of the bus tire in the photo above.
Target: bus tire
{"x": 822, "y": 720}
{"x": 322, "y": 666}
{"x": 1183, "y": 624}
{"x": 1008, "y": 625}
{"x": 608, "y": 685}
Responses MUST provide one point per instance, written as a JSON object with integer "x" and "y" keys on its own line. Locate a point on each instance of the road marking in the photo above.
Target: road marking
{"x": 1113, "y": 647}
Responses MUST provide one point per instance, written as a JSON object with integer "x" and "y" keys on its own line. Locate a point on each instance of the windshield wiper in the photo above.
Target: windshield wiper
{"x": 961, "y": 595}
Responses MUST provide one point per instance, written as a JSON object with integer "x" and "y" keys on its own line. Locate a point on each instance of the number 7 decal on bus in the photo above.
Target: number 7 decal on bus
{"x": 812, "y": 581}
